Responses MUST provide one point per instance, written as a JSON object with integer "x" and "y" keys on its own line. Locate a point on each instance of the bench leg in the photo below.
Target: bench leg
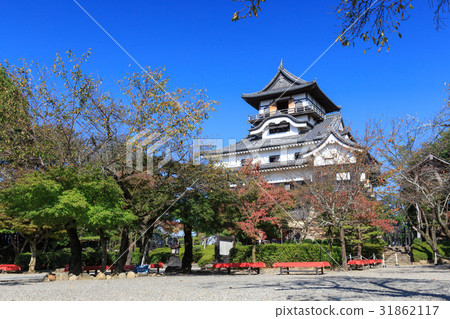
{"x": 287, "y": 270}
{"x": 229, "y": 270}
{"x": 317, "y": 270}
{"x": 281, "y": 270}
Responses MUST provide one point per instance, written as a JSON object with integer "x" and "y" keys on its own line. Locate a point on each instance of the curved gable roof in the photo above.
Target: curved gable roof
{"x": 284, "y": 84}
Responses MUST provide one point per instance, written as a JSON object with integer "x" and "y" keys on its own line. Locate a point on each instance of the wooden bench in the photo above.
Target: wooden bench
{"x": 249, "y": 266}
{"x": 9, "y": 267}
{"x": 312, "y": 264}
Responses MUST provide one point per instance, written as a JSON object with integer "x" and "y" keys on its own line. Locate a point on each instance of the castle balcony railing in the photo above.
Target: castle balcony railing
{"x": 300, "y": 108}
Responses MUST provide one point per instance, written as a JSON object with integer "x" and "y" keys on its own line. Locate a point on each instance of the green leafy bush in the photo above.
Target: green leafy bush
{"x": 163, "y": 254}
{"x": 159, "y": 255}
{"x": 423, "y": 251}
{"x": 272, "y": 253}
{"x": 369, "y": 249}
{"x": 207, "y": 256}
{"x": 48, "y": 260}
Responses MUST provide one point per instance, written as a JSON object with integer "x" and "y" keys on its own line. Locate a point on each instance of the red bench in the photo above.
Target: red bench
{"x": 250, "y": 266}
{"x": 9, "y": 267}
{"x": 311, "y": 264}
{"x": 364, "y": 262}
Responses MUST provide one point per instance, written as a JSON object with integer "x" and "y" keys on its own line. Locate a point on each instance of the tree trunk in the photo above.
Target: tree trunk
{"x": 75, "y": 251}
{"x": 147, "y": 240}
{"x": 359, "y": 245}
{"x": 254, "y": 251}
{"x": 124, "y": 245}
{"x": 186, "y": 264}
{"x": 44, "y": 248}
{"x": 33, "y": 250}
{"x": 434, "y": 247}
{"x": 131, "y": 249}
{"x": 104, "y": 250}
{"x": 343, "y": 250}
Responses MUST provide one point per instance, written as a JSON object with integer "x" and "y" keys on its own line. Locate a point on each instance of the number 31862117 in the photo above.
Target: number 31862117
{"x": 408, "y": 310}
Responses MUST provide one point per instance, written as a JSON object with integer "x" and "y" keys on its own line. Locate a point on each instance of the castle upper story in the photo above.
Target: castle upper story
{"x": 287, "y": 106}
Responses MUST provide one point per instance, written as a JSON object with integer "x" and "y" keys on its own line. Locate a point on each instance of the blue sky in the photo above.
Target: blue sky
{"x": 201, "y": 47}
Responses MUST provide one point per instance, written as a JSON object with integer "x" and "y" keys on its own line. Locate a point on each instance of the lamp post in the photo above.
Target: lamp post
{"x": 175, "y": 249}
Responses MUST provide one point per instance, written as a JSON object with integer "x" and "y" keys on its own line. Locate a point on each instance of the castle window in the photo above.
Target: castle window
{"x": 282, "y": 105}
{"x": 279, "y": 128}
{"x": 274, "y": 158}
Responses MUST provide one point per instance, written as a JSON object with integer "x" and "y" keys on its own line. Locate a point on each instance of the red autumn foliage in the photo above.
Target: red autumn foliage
{"x": 260, "y": 201}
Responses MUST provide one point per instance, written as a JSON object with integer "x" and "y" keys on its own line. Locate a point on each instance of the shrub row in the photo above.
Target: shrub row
{"x": 59, "y": 259}
{"x": 201, "y": 256}
{"x": 423, "y": 251}
{"x": 272, "y": 253}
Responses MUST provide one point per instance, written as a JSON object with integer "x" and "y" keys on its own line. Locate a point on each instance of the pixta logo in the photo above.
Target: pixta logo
{"x": 150, "y": 143}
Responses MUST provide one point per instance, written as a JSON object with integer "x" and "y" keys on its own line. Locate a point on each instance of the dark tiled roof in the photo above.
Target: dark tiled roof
{"x": 285, "y": 84}
{"x": 317, "y": 134}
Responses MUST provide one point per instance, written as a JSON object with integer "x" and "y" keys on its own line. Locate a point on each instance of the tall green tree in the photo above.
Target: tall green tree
{"x": 207, "y": 204}
{"x": 65, "y": 198}
{"x": 84, "y": 126}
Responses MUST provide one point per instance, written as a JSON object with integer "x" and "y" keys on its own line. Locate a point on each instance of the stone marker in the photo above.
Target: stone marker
{"x": 122, "y": 275}
{"x": 60, "y": 270}
{"x": 109, "y": 277}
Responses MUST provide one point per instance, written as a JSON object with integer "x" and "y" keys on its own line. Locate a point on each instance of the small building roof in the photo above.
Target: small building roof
{"x": 285, "y": 84}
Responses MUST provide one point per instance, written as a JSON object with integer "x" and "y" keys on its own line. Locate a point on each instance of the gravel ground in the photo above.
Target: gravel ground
{"x": 403, "y": 283}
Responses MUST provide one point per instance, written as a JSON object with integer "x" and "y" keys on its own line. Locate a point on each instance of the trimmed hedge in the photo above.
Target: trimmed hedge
{"x": 59, "y": 259}
{"x": 272, "y": 253}
{"x": 207, "y": 256}
{"x": 200, "y": 255}
{"x": 423, "y": 251}
{"x": 159, "y": 255}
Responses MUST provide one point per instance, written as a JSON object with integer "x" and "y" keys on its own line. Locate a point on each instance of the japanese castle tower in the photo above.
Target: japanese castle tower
{"x": 295, "y": 125}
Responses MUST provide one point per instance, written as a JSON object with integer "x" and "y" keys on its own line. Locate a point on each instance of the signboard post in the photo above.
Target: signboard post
{"x": 222, "y": 248}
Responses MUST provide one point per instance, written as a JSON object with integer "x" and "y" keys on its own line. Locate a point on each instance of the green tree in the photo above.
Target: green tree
{"x": 208, "y": 204}
{"x": 80, "y": 124}
{"x": 68, "y": 199}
